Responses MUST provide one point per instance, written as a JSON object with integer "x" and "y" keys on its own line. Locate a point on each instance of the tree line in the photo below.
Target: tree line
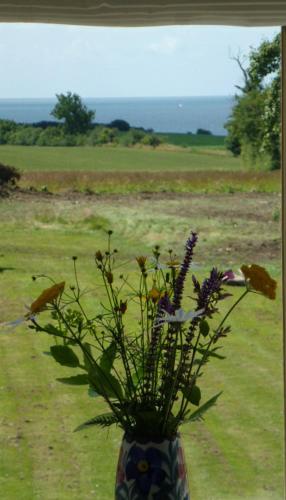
{"x": 76, "y": 128}
{"x": 254, "y": 125}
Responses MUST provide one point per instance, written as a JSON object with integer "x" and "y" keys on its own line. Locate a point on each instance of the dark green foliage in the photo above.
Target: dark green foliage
{"x": 199, "y": 413}
{"x": 24, "y": 136}
{"x": 151, "y": 140}
{"x": 204, "y": 327}
{"x": 103, "y": 420}
{"x": 56, "y": 136}
{"x": 104, "y": 383}
{"x": 202, "y": 131}
{"x": 193, "y": 395}
{"x": 81, "y": 379}
{"x": 64, "y": 355}
{"x": 8, "y": 175}
{"x": 121, "y": 125}
{"x": 6, "y": 127}
{"x": 108, "y": 357}
{"x": 106, "y": 135}
{"x": 254, "y": 125}
{"x": 77, "y": 118}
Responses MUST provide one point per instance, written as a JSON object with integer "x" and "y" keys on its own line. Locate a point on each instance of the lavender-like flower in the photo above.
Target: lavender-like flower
{"x": 209, "y": 291}
{"x": 180, "y": 281}
{"x": 207, "y": 295}
{"x": 164, "y": 305}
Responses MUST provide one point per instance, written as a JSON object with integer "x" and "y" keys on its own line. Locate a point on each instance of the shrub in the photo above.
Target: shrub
{"x": 55, "y": 136}
{"x": 8, "y": 175}
{"x": 106, "y": 135}
{"x": 6, "y": 127}
{"x": 121, "y": 125}
{"x": 151, "y": 140}
{"x": 24, "y": 136}
{"x": 202, "y": 131}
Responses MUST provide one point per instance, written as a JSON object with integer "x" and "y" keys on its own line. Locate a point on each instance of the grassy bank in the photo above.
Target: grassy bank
{"x": 237, "y": 452}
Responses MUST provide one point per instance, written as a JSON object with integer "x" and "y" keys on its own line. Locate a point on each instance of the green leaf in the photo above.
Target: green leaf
{"x": 87, "y": 361}
{"x": 81, "y": 379}
{"x": 193, "y": 394}
{"x": 103, "y": 420}
{"x": 52, "y": 330}
{"x": 108, "y": 357}
{"x": 209, "y": 354}
{"x": 64, "y": 355}
{"x": 204, "y": 327}
{"x": 104, "y": 383}
{"x": 92, "y": 393}
{"x": 137, "y": 376}
{"x": 199, "y": 413}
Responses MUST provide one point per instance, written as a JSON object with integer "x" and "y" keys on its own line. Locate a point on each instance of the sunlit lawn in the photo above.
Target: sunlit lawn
{"x": 114, "y": 159}
{"x": 107, "y": 169}
{"x": 237, "y": 452}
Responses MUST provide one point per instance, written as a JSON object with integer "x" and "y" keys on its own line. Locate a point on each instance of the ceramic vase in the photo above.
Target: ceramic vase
{"x": 151, "y": 470}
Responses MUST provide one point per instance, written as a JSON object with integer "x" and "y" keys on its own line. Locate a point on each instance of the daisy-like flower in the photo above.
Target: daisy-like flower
{"x": 48, "y": 296}
{"x": 179, "y": 316}
{"x": 259, "y": 280}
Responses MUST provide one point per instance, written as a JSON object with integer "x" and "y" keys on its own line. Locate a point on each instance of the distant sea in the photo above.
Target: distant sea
{"x": 162, "y": 114}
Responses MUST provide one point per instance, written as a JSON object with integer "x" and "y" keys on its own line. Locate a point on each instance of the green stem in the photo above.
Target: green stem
{"x": 184, "y": 406}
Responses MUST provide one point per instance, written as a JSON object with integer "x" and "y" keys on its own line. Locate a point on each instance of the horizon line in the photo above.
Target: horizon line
{"x": 125, "y": 97}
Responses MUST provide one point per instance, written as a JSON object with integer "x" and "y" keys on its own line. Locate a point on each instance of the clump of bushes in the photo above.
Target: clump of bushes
{"x": 202, "y": 131}
{"x": 121, "y": 125}
{"x": 40, "y": 134}
{"x": 8, "y": 175}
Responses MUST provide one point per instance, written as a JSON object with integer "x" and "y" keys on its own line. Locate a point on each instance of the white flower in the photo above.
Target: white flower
{"x": 180, "y": 316}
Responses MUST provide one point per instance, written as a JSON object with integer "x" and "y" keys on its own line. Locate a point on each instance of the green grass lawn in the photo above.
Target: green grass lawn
{"x": 110, "y": 159}
{"x": 237, "y": 452}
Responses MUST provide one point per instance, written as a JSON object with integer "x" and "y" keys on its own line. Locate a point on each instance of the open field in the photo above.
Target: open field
{"x": 152, "y": 182}
{"x": 189, "y": 140}
{"x": 134, "y": 170}
{"x": 237, "y": 452}
{"x": 110, "y": 159}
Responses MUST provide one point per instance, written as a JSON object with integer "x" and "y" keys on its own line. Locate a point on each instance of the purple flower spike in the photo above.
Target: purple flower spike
{"x": 210, "y": 290}
{"x": 164, "y": 305}
{"x": 179, "y": 285}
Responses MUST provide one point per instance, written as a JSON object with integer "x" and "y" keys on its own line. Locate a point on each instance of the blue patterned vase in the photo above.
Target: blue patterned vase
{"x": 151, "y": 470}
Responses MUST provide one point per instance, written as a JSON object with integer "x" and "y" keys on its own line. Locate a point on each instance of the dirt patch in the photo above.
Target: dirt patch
{"x": 233, "y": 227}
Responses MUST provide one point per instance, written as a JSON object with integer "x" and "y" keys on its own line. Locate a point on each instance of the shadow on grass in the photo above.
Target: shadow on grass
{"x": 3, "y": 269}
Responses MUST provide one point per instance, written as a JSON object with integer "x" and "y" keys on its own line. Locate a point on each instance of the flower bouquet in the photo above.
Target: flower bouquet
{"x": 143, "y": 352}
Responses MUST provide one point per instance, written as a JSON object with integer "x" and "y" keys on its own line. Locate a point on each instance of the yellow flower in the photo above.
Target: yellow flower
{"x": 141, "y": 260}
{"x": 259, "y": 280}
{"x": 173, "y": 263}
{"x": 48, "y": 296}
{"x": 154, "y": 294}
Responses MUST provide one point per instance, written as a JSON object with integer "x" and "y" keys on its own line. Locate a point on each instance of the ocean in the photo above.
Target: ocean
{"x": 162, "y": 114}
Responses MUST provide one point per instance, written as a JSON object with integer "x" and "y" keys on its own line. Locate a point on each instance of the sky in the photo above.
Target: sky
{"x": 42, "y": 60}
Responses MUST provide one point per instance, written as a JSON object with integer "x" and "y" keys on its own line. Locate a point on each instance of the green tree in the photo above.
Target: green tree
{"x": 254, "y": 125}
{"x": 77, "y": 118}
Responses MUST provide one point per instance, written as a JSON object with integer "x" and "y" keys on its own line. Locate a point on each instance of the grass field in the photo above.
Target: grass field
{"x": 189, "y": 140}
{"x": 131, "y": 170}
{"x": 237, "y": 453}
{"x": 110, "y": 159}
